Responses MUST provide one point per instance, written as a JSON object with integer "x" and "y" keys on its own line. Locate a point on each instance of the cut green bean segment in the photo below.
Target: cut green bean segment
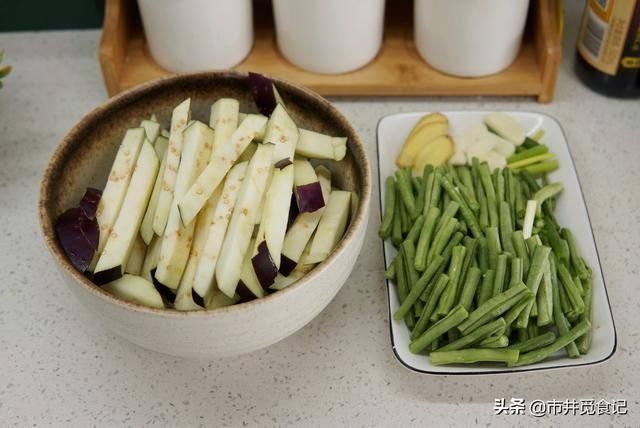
{"x": 420, "y": 198}
{"x": 559, "y": 245}
{"x": 534, "y": 277}
{"x": 425, "y": 238}
{"x": 389, "y": 208}
{"x": 442, "y": 238}
{"x": 516, "y": 274}
{"x": 476, "y": 336}
{"x": 455, "y": 240}
{"x": 584, "y": 342}
{"x": 490, "y": 192}
{"x": 501, "y": 192}
{"x": 521, "y": 249}
{"x": 493, "y": 245}
{"x": 483, "y": 217}
{"x": 474, "y": 355}
{"x": 506, "y": 228}
{"x": 549, "y": 191}
{"x": 450, "y": 211}
{"x": 562, "y": 324}
{"x": 465, "y": 211}
{"x": 483, "y": 254}
{"x": 471, "y": 244}
{"x": 436, "y": 191}
{"x": 535, "y": 342}
{"x": 486, "y": 287}
{"x": 408, "y": 255}
{"x": 500, "y": 276}
{"x": 405, "y": 222}
{"x": 452, "y": 320}
{"x": 430, "y": 305}
{"x": 416, "y": 228}
{"x": 406, "y": 192}
{"x": 403, "y": 288}
{"x": 418, "y": 288}
{"x": 545, "y": 298}
{"x": 396, "y": 229}
{"x": 390, "y": 272}
{"x": 493, "y": 307}
{"x": 493, "y": 342}
{"x": 464, "y": 172}
{"x": 571, "y": 289}
{"x": 540, "y": 354}
{"x": 469, "y": 287}
{"x": 448, "y": 298}
{"x": 428, "y": 185}
{"x": 576, "y": 260}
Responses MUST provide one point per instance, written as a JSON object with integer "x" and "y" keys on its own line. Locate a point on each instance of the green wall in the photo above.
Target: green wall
{"x": 29, "y": 15}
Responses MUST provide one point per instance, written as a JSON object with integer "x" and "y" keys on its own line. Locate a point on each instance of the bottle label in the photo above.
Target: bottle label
{"x": 603, "y": 33}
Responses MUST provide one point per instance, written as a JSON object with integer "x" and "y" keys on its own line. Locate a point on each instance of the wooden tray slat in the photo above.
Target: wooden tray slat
{"x": 398, "y": 70}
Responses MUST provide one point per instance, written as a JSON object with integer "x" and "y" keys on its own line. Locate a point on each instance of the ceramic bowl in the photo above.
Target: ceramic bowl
{"x": 84, "y": 158}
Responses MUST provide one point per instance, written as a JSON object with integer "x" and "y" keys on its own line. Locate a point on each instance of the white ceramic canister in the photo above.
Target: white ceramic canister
{"x": 469, "y": 38}
{"x": 329, "y": 36}
{"x": 195, "y": 35}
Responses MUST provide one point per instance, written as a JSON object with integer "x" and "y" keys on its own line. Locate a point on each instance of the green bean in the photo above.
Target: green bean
{"x": 414, "y": 232}
{"x": 390, "y": 272}
{"x": 584, "y": 342}
{"x": 469, "y": 287}
{"x": 475, "y": 336}
{"x": 428, "y": 181}
{"x": 532, "y": 330}
{"x": 534, "y": 277}
{"x": 484, "y": 209}
{"x": 546, "y": 192}
{"x": 474, "y": 355}
{"x": 559, "y": 245}
{"x": 522, "y": 334}
{"x": 418, "y": 288}
{"x": 426, "y": 294}
{"x": 465, "y": 177}
{"x": 532, "y": 243}
{"x": 520, "y": 247}
{"x": 493, "y": 307}
{"x": 469, "y": 198}
{"x": 465, "y": 211}
{"x": 506, "y": 229}
{"x": 558, "y": 316}
{"x": 449, "y": 212}
{"x": 564, "y": 301}
{"x": 501, "y": 273}
{"x": 455, "y": 240}
{"x": 452, "y": 320}
{"x": 576, "y": 259}
{"x": 534, "y": 342}
{"x": 403, "y": 287}
{"x": 448, "y": 298}
{"x": 493, "y": 342}
{"x": 545, "y": 298}
{"x": 420, "y": 198}
{"x": 486, "y": 287}
{"x": 520, "y": 202}
{"x": 425, "y": 238}
{"x": 572, "y": 291}
{"x": 406, "y": 193}
{"x": 441, "y": 238}
{"x": 405, "y": 222}
{"x": 531, "y": 182}
{"x": 409, "y": 255}
{"x": 389, "y": 207}
{"x": 541, "y": 353}
{"x": 483, "y": 254}
{"x": 436, "y": 191}
{"x": 489, "y": 191}
{"x": 417, "y": 308}
{"x": 512, "y": 314}
{"x": 510, "y": 189}
{"x": 501, "y": 193}
{"x": 416, "y": 183}
{"x": 430, "y": 305}
{"x": 525, "y": 154}
{"x": 493, "y": 245}
{"x": 516, "y": 274}
{"x": 396, "y": 230}
{"x": 471, "y": 244}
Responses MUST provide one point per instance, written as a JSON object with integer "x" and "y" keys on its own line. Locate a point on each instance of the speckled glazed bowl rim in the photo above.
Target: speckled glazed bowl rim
{"x": 137, "y": 94}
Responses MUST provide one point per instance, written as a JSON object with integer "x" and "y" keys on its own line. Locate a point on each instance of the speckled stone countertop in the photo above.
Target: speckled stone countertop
{"x": 60, "y": 368}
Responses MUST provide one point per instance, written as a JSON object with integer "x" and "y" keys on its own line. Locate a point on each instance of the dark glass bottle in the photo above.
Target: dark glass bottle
{"x": 608, "y": 55}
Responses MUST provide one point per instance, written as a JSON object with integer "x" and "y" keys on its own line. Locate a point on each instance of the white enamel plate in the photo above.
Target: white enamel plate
{"x": 571, "y": 211}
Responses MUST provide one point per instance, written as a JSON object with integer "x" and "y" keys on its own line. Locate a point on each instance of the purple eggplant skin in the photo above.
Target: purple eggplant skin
{"x": 78, "y": 236}
{"x": 89, "y": 202}
{"x": 309, "y": 197}
{"x": 287, "y": 265}
{"x": 164, "y": 291}
{"x": 263, "y": 94}
{"x": 283, "y": 163}
{"x": 264, "y": 267}
{"x": 293, "y": 211}
{"x": 245, "y": 294}
{"x": 107, "y": 276}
